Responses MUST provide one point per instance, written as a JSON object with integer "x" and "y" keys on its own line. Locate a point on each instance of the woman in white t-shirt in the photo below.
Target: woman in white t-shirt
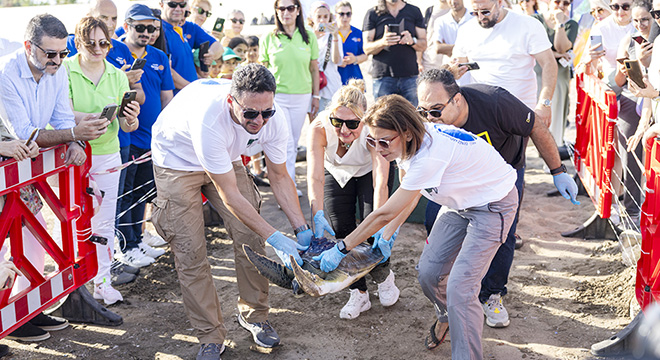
{"x": 327, "y": 33}
{"x": 342, "y": 171}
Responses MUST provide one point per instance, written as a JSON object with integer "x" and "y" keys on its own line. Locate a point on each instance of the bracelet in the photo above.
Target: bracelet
{"x": 73, "y": 135}
{"x": 559, "y": 170}
{"x": 317, "y": 97}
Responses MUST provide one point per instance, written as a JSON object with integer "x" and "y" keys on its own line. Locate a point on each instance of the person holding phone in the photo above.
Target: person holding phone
{"x": 92, "y": 82}
{"x": 352, "y": 44}
{"x": 330, "y": 49}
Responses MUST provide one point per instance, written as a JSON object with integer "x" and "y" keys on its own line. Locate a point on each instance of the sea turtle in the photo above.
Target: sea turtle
{"x": 309, "y": 278}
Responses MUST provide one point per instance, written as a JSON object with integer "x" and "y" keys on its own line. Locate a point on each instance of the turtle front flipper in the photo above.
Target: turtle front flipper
{"x": 308, "y": 281}
{"x": 271, "y": 270}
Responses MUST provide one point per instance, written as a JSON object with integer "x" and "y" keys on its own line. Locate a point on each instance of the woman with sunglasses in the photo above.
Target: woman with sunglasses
{"x": 93, "y": 84}
{"x": 200, "y": 11}
{"x": 342, "y": 171}
{"x": 445, "y": 164}
{"x": 291, "y": 53}
{"x": 612, "y": 30}
{"x": 330, "y": 49}
{"x": 600, "y": 10}
{"x": 351, "y": 38}
{"x": 236, "y": 22}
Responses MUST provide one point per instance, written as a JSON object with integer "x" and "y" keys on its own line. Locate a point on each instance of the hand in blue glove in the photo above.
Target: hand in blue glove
{"x": 321, "y": 225}
{"x": 330, "y": 259}
{"x": 566, "y": 186}
{"x": 385, "y": 246}
{"x": 285, "y": 247}
{"x": 305, "y": 238}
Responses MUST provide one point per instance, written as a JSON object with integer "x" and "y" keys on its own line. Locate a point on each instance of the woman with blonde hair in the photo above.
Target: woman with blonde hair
{"x": 343, "y": 170}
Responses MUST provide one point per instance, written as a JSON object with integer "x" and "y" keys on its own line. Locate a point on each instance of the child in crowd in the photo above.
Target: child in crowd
{"x": 214, "y": 69}
{"x": 253, "y": 49}
{"x": 239, "y": 46}
{"x": 229, "y": 62}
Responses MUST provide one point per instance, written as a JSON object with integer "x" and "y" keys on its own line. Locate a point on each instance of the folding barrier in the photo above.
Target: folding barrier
{"x": 647, "y": 286}
{"x": 75, "y": 259}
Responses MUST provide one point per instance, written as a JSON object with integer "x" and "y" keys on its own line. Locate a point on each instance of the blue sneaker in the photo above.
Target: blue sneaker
{"x": 210, "y": 351}
{"x": 262, "y": 333}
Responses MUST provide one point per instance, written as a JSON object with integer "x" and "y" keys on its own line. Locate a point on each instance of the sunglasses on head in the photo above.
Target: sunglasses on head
{"x": 565, "y": 3}
{"x": 290, "y": 8}
{"x": 240, "y": 21}
{"x": 385, "y": 144}
{"x": 347, "y": 14}
{"x": 337, "y": 122}
{"x": 202, "y": 11}
{"x": 51, "y": 54}
{"x": 616, "y": 7}
{"x": 174, "y": 4}
{"x": 141, "y": 28}
{"x": 655, "y": 14}
{"x": 103, "y": 44}
{"x": 253, "y": 114}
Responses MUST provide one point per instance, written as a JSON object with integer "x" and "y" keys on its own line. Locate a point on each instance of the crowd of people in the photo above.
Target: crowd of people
{"x": 457, "y": 90}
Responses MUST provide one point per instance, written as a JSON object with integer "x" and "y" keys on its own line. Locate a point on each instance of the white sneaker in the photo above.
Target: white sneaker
{"x": 104, "y": 291}
{"x": 152, "y": 239}
{"x": 149, "y": 251}
{"x": 357, "y": 303}
{"x": 388, "y": 293}
{"x": 496, "y": 314}
{"x": 136, "y": 258}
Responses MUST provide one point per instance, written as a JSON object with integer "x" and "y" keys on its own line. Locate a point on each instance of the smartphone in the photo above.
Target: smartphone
{"x": 138, "y": 64}
{"x": 470, "y": 66}
{"x": 321, "y": 27}
{"x": 597, "y": 39}
{"x": 639, "y": 38}
{"x": 125, "y": 100}
{"x": 621, "y": 60}
{"x": 32, "y": 135}
{"x": 398, "y": 28}
{"x": 219, "y": 24}
{"x": 108, "y": 112}
{"x": 635, "y": 72}
{"x": 203, "y": 50}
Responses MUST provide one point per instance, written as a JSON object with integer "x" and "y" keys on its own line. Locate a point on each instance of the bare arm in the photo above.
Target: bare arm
{"x": 380, "y": 173}
{"x": 445, "y": 49}
{"x": 316, "y": 143}
{"x": 179, "y": 81}
{"x": 285, "y": 193}
{"x": 165, "y": 98}
{"x": 314, "y": 70}
{"x": 216, "y": 50}
{"x": 546, "y": 60}
{"x": 545, "y": 144}
{"x": 373, "y": 47}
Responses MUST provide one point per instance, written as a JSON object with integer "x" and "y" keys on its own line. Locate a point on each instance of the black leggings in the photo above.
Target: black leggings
{"x": 340, "y": 205}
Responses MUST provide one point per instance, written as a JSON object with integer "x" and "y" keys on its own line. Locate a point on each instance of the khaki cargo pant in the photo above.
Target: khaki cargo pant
{"x": 178, "y": 218}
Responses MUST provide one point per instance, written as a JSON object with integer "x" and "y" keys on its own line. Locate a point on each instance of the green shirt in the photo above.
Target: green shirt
{"x": 288, "y": 60}
{"x": 90, "y": 98}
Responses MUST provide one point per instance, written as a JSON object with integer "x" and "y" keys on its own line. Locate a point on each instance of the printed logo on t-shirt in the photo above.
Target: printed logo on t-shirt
{"x": 189, "y": 36}
{"x": 485, "y": 136}
{"x": 357, "y": 39}
{"x": 251, "y": 141}
{"x": 157, "y": 67}
{"x": 120, "y": 60}
{"x": 455, "y": 134}
{"x": 432, "y": 191}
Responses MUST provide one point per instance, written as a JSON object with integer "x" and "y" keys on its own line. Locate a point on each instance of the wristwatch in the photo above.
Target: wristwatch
{"x": 341, "y": 246}
{"x": 546, "y": 102}
{"x": 558, "y": 170}
{"x": 414, "y": 41}
{"x": 300, "y": 229}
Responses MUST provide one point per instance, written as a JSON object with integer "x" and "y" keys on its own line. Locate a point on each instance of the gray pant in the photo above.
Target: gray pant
{"x": 456, "y": 257}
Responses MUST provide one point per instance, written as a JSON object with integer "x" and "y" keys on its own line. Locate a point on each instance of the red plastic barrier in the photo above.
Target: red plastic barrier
{"x": 75, "y": 260}
{"x": 595, "y": 118}
{"x": 647, "y": 284}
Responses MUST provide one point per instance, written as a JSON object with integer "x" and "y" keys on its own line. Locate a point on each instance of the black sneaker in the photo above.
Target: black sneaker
{"x": 29, "y": 333}
{"x": 49, "y": 323}
{"x": 262, "y": 333}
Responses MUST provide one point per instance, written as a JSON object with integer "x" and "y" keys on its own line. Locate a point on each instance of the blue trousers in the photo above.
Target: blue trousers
{"x": 498, "y": 273}
{"x": 404, "y": 86}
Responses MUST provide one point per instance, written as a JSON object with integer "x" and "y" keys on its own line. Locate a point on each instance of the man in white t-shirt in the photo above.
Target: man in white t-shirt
{"x": 445, "y": 31}
{"x": 196, "y": 150}
{"x": 506, "y": 45}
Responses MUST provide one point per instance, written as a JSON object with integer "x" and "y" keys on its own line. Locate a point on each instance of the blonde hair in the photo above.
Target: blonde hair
{"x": 352, "y": 97}
{"x": 197, "y": 2}
{"x": 341, "y": 4}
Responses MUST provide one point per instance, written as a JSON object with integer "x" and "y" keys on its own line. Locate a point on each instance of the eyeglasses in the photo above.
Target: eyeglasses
{"x": 240, "y": 21}
{"x": 202, "y": 11}
{"x": 483, "y": 12}
{"x": 174, "y": 4}
{"x": 600, "y": 10}
{"x": 385, "y": 144}
{"x": 655, "y": 14}
{"x": 436, "y": 113}
{"x": 253, "y": 114}
{"x": 51, "y": 54}
{"x": 565, "y": 3}
{"x": 337, "y": 122}
{"x": 616, "y": 7}
{"x": 141, "y": 28}
{"x": 347, "y": 14}
{"x": 290, "y": 8}
{"x": 103, "y": 44}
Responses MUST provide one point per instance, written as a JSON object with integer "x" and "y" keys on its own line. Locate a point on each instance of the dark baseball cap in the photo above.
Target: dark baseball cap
{"x": 140, "y": 12}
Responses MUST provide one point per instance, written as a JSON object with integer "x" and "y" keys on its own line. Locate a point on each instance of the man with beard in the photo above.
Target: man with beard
{"x": 158, "y": 88}
{"x": 35, "y": 94}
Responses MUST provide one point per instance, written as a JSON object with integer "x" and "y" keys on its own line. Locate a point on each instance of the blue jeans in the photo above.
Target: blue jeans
{"x": 404, "y": 86}
{"x": 498, "y": 273}
{"x": 136, "y": 175}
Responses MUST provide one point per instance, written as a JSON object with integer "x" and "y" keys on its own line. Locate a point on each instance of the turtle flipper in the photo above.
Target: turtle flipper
{"x": 308, "y": 281}
{"x": 271, "y": 270}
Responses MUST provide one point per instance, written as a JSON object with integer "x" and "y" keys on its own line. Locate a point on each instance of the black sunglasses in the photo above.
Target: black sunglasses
{"x": 202, "y": 11}
{"x": 53, "y": 54}
{"x": 385, "y": 144}
{"x": 141, "y": 28}
{"x": 253, "y": 114}
{"x": 655, "y": 14}
{"x": 337, "y": 122}
{"x": 347, "y": 14}
{"x": 103, "y": 44}
{"x": 616, "y": 7}
{"x": 290, "y": 8}
{"x": 240, "y": 21}
{"x": 436, "y": 113}
{"x": 173, "y": 4}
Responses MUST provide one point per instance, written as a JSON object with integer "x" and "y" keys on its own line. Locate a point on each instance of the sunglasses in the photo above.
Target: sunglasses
{"x": 616, "y": 7}
{"x": 337, "y": 122}
{"x": 385, "y": 144}
{"x": 141, "y": 28}
{"x": 482, "y": 12}
{"x": 655, "y": 14}
{"x": 103, "y": 44}
{"x": 565, "y": 3}
{"x": 202, "y": 11}
{"x": 173, "y": 4}
{"x": 436, "y": 113}
{"x": 53, "y": 54}
{"x": 600, "y": 10}
{"x": 240, "y": 21}
{"x": 253, "y": 114}
{"x": 290, "y": 8}
{"x": 347, "y": 14}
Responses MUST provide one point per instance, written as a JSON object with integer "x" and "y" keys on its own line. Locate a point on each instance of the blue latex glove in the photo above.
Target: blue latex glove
{"x": 330, "y": 259}
{"x": 285, "y": 247}
{"x": 567, "y": 187}
{"x": 305, "y": 238}
{"x": 321, "y": 225}
{"x": 385, "y": 246}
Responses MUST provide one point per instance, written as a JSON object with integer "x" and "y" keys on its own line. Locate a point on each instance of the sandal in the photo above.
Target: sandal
{"x": 431, "y": 341}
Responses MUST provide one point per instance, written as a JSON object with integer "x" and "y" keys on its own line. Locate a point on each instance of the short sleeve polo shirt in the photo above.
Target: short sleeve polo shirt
{"x": 288, "y": 60}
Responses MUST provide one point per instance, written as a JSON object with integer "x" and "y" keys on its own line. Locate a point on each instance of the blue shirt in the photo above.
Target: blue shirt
{"x": 119, "y": 54}
{"x": 181, "y": 50}
{"x": 352, "y": 44}
{"x": 29, "y": 105}
{"x": 195, "y": 35}
{"x": 157, "y": 77}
